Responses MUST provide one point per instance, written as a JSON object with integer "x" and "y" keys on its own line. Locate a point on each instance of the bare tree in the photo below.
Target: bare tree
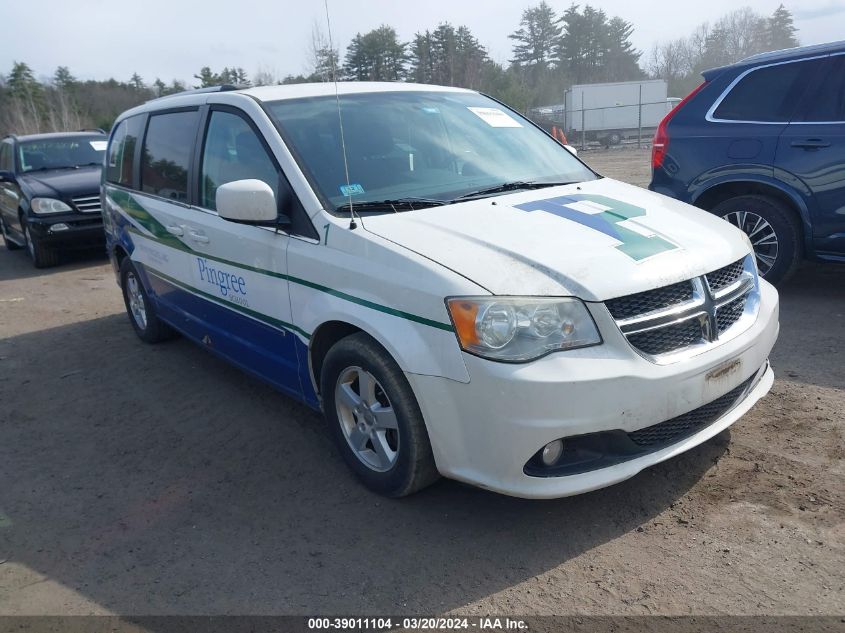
{"x": 265, "y": 77}
{"x": 323, "y": 60}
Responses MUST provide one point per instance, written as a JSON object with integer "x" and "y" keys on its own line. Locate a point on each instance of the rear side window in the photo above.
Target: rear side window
{"x": 121, "y": 159}
{"x": 768, "y": 94}
{"x": 233, "y": 151}
{"x": 826, "y": 103}
{"x": 166, "y": 157}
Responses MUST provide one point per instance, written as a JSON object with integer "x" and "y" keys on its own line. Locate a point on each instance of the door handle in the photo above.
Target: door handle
{"x": 811, "y": 143}
{"x": 198, "y": 237}
{"x": 175, "y": 229}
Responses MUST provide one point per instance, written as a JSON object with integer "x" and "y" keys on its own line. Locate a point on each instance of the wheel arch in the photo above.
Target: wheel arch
{"x": 322, "y": 340}
{"x": 716, "y": 193}
{"x": 120, "y": 253}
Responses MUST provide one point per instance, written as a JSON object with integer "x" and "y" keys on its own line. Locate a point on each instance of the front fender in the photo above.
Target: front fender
{"x": 416, "y": 347}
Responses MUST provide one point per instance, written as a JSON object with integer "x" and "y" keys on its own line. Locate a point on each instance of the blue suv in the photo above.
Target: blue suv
{"x": 761, "y": 143}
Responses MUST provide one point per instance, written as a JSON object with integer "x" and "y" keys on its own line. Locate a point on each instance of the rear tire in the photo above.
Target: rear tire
{"x": 774, "y": 232}
{"x": 375, "y": 419}
{"x": 12, "y": 246}
{"x": 141, "y": 311}
{"x": 42, "y": 256}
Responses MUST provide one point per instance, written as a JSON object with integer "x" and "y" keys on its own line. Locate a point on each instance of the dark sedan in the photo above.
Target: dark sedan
{"x": 50, "y": 193}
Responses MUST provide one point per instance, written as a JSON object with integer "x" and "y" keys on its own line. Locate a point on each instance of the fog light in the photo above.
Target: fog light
{"x": 552, "y": 452}
{"x": 61, "y": 226}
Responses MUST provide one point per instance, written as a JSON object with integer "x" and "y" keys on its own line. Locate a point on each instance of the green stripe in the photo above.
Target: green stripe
{"x": 237, "y": 308}
{"x": 160, "y": 234}
{"x": 134, "y": 210}
{"x": 374, "y": 306}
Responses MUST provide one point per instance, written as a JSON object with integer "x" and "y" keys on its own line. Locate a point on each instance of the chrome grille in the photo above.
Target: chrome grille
{"x": 674, "y": 336}
{"x": 730, "y": 313}
{"x": 87, "y": 204}
{"x": 689, "y": 316}
{"x": 682, "y": 426}
{"x": 644, "y": 302}
{"x": 723, "y": 277}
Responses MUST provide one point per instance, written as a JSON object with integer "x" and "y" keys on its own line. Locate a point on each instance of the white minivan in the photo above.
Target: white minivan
{"x": 457, "y": 292}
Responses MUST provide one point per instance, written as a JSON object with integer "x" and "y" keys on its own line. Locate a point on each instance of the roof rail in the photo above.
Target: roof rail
{"x": 197, "y": 91}
{"x": 93, "y": 129}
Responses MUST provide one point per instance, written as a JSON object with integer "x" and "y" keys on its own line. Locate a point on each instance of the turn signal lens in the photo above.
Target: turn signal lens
{"x": 464, "y": 314}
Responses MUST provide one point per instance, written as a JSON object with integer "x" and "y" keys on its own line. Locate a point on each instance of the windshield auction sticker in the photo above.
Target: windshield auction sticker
{"x": 495, "y": 117}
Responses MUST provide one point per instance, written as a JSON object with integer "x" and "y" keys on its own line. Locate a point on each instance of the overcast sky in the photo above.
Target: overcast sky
{"x": 171, "y": 39}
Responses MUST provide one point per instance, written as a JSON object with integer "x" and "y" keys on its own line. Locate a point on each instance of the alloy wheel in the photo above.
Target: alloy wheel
{"x": 763, "y": 238}
{"x": 136, "y": 301}
{"x": 367, "y": 419}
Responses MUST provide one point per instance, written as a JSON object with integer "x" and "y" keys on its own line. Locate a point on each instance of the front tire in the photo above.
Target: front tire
{"x": 773, "y": 230}
{"x": 375, "y": 419}
{"x": 141, "y": 311}
{"x": 42, "y": 256}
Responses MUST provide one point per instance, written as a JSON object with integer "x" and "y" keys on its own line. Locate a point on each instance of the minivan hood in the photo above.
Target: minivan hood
{"x": 62, "y": 183}
{"x": 596, "y": 240}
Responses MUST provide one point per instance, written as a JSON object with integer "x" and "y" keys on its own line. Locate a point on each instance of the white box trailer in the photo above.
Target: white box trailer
{"x": 611, "y": 112}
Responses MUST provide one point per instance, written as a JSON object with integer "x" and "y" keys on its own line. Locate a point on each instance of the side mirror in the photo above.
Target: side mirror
{"x": 250, "y": 201}
{"x": 572, "y": 150}
{"x": 6, "y": 176}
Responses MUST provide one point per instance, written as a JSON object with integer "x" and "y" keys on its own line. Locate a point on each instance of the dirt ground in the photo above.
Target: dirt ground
{"x": 140, "y": 479}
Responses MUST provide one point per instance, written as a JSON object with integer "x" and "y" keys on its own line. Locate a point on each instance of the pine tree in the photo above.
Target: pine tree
{"x": 136, "y": 82}
{"x": 780, "y": 30}
{"x": 207, "y": 78}
{"x": 376, "y": 56}
{"x": 537, "y": 37}
{"x": 62, "y": 78}
{"x": 159, "y": 87}
{"x": 621, "y": 59}
{"x": 356, "y": 66}
{"x": 443, "y": 54}
{"x": 569, "y": 55}
{"x": 470, "y": 58}
{"x": 421, "y": 59}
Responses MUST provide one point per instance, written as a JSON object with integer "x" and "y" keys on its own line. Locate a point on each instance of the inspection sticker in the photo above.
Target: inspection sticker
{"x": 99, "y": 146}
{"x": 351, "y": 190}
{"x": 495, "y": 117}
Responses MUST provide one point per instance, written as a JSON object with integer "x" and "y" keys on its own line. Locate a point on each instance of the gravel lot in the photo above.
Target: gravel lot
{"x": 142, "y": 479}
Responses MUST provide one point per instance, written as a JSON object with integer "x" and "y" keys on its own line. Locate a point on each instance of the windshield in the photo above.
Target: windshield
{"x": 429, "y": 146}
{"x": 62, "y": 153}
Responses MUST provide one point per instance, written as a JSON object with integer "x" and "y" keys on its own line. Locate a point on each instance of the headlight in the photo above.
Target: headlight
{"x": 43, "y": 206}
{"x": 521, "y": 328}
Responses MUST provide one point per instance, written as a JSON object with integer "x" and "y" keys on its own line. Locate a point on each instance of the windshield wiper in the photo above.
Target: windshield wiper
{"x": 516, "y": 185}
{"x": 395, "y": 204}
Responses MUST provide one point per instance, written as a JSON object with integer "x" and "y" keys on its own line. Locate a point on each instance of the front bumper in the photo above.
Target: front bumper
{"x": 485, "y": 431}
{"x": 68, "y": 230}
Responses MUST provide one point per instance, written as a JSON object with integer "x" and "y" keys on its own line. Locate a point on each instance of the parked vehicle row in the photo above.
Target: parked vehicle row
{"x": 451, "y": 286}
